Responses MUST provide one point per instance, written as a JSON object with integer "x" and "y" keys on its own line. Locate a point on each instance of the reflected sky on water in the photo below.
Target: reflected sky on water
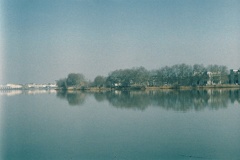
{"x": 196, "y": 124}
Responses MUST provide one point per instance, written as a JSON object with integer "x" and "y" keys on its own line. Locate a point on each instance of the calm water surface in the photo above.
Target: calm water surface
{"x": 42, "y": 125}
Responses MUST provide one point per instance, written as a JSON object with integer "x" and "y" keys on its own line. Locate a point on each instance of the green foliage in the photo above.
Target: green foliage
{"x": 61, "y": 83}
{"x": 176, "y": 75}
{"x": 73, "y": 80}
{"x": 200, "y": 76}
{"x": 99, "y": 81}
{"x": 128, "y": 77}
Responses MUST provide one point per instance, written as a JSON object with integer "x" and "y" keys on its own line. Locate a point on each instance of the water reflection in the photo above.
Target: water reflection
{"x": 27, "y": 92}
{"x": 177, "y": 100}
{"x": 73, "y": 97}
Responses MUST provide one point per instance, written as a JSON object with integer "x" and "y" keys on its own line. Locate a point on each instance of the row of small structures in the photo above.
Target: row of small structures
{"x": 28, "y": 86}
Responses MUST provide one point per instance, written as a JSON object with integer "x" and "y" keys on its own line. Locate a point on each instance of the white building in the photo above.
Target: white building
{"x": 213, "y": 75}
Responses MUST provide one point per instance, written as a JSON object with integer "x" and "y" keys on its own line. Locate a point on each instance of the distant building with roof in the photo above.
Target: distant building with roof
{"x": 234, "y": 77}
{"x": 214, "y": 78}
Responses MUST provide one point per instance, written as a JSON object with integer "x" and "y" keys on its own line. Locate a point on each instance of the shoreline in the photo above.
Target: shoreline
{"x": 132, "y": 88}
{"x": 195, "y": 87}
{"x": 97, "y": 89}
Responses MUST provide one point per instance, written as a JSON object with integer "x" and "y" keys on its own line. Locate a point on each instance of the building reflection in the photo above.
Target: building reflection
{"x": 28, "y": 92}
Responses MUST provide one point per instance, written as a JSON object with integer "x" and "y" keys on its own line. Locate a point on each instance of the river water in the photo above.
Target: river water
{"x": 120, "y": 125}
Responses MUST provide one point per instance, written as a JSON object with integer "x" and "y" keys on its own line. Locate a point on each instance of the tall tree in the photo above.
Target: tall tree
{"x": 75, "y": 79}
{"x": 61, "y": 83}
{"x": 99, "y": 81}
{"x": 200, "y": 76}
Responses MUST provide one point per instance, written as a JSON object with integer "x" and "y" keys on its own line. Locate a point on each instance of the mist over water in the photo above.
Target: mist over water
{"x": 169, "y": 124}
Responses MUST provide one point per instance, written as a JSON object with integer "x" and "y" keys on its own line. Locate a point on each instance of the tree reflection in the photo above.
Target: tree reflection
{"x": 100, "y": 96}
{"x": 191, "y": 99}
{"x": 73, "y": 97}
{"x": 177, "y": 100}
{"x": 127, "y": 99}
{"x": 234, "y": 95}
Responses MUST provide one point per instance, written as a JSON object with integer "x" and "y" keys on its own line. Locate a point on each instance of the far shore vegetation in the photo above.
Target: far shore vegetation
{"x": 180, "y": 76}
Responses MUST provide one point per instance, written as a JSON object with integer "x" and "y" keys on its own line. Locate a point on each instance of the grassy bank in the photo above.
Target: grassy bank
{"x": 194, "y": 87}
{"x": 97, "y": 89}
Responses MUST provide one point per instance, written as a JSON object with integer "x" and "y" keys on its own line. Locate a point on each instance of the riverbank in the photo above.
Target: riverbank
{"x": 194, "y": 87}
{"x": 96, "y": 89}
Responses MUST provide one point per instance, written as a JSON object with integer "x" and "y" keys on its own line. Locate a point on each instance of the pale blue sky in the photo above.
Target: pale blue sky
{"x": 44, "y": 40}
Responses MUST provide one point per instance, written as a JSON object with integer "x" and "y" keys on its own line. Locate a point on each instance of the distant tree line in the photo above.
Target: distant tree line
{"x": 176, "y": 75}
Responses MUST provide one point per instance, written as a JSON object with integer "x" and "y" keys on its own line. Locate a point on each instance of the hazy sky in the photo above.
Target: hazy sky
{"x": 44, "y": 40}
